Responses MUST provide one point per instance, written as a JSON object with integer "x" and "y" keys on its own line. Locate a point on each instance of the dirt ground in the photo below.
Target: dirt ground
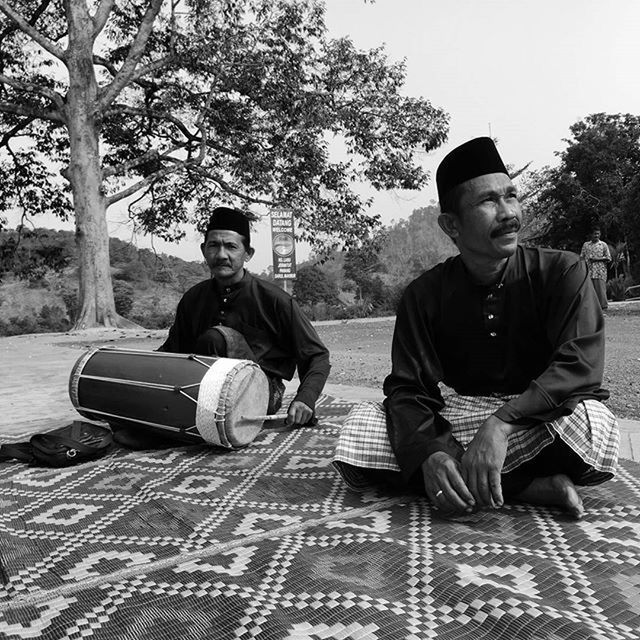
{"x": 361, "y": 352}
{"x": 360, "y": 355}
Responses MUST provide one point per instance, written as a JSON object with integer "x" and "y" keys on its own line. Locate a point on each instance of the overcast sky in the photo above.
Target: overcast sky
{"x": 522, "y": 70}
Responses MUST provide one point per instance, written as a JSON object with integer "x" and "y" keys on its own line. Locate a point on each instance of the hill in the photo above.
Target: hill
{"x": 38, "y": 276}
{"x": 38, "y": 281}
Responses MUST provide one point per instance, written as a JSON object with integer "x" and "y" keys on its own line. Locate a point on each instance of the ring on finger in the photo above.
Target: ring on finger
{"x": 439, "y": 493}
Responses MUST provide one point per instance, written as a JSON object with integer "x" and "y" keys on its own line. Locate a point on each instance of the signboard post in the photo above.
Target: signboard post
{"x": 284, "y": 247}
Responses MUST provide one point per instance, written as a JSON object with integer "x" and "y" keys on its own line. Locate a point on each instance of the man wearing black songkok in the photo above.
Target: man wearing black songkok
{"x": 234, "y": 314}
{"x": 497, "y": 363}
{"x": 237, "y": 315}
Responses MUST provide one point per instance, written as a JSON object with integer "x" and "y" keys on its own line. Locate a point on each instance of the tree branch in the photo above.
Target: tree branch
{"x": 4, "y": 141}
{"x": 31, "y": 87}
{"x": 31, "y": 31}
{"x": 101, "y": 16}
{"x": 127, "y": 70}
{"x": 154, "y": 154}
{"x": 158, "y": 175}
{"x": 228, "y": 188}
{"x": 23, "y": 110}
{"x": 151, "y": 67}
{"x": 9, "y": 29}
{"x": 107, "y": 64}
{"x": 154, "y": 177}
{"x": 151, "y": 113}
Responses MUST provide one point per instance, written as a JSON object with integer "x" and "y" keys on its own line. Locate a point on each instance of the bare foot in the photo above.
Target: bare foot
{"x": 556, "y": 490}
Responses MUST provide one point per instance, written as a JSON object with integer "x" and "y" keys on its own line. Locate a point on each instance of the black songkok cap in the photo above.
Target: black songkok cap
{"x": 474, "y": 158}
{"x": 227, "y": 219}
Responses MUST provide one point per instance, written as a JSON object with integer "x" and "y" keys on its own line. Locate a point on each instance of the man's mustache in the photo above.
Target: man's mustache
{"x": 506, "y": 228}
{"x": 221, "y": 263}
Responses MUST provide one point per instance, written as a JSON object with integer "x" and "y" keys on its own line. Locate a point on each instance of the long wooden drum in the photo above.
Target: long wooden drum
{"x": 221, "y": 401}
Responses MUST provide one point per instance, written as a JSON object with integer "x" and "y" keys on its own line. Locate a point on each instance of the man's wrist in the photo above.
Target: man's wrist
{"x": 496, "y": 424}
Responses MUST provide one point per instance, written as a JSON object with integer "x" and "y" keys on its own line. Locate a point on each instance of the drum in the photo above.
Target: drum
{"x": 221, "y": 401}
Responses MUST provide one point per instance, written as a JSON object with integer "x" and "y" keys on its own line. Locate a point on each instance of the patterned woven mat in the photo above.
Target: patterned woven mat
{"x": 268, "y": 543}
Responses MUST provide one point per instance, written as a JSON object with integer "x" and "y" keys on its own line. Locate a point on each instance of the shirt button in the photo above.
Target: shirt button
{"x": 222, "y": 313}
{"x": 227, "y": 289}
{"x": 224, "y": 299}
{"x": 491, "y": 316}
{"x": 493, "y": 334}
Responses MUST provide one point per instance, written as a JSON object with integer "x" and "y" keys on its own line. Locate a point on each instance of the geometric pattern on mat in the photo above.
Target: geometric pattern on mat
{"x": 268, "y": 543}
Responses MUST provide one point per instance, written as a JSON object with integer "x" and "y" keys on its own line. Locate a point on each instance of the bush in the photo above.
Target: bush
{"x": 616, "y": 287}
{"x": 133, "y": 272}
{"x": 154, "y": 319}
{"x": 123, "y": 297}
{"x": 164, "y": 275}
{"x": 52, "y": 319}
{"x": 47, "y": 320}
{"x": 70, "y": 299}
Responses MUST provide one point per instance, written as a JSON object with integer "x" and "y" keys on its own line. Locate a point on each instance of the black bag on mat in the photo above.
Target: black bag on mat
{"x": 74, "y": 443}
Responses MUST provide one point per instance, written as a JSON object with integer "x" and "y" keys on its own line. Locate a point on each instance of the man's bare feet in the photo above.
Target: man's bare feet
{"x": 556, "y": 490}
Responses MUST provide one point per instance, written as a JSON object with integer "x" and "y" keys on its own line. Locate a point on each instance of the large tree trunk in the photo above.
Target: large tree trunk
{"x": 96, "y": 304}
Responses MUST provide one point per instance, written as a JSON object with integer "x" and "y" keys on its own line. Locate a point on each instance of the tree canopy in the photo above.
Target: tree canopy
{"x": 596, "y": 183}
{"x": 171, "y": 107}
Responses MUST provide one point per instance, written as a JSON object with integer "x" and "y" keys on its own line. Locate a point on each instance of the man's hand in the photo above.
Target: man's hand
{"x": 444, "y": 484}
{"x": 299, "y": 414}
{"x": 483, "y": 460}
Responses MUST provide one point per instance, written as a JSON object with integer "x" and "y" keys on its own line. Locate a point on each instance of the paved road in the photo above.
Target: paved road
{"x": 35, "y": 369}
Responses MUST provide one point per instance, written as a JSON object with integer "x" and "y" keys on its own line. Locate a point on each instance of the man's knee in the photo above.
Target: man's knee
{"x": 224, "y": 342}
{"x": 212, "y": 343}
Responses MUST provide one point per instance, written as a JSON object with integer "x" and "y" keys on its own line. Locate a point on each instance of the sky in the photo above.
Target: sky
{"x": 522, "y": 71}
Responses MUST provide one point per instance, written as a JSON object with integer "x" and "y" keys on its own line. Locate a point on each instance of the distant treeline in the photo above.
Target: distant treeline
{"x": 38, "y": 281}
{"x": 38, "y": 276}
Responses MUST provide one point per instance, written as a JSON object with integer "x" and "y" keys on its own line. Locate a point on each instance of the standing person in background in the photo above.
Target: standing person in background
{"x": 596, "y": 253}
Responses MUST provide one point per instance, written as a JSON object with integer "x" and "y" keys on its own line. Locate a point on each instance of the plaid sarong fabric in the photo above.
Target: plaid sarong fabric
{"x": 591, "y": 431}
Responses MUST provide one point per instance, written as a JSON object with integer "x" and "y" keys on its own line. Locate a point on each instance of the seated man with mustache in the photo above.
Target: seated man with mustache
{"x": 497, "y": 363}
{"x": 237, "y": 315}
{"x": 234, "y": 314}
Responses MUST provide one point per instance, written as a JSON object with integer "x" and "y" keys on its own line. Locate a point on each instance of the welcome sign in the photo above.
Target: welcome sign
{"x": 283, "y": 244}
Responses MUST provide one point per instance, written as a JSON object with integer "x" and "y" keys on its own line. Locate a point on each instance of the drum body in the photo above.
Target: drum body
{"x": 192, "y": 398}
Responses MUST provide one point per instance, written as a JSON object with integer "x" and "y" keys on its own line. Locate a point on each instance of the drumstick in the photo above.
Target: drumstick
{"x": 271, "y": 416}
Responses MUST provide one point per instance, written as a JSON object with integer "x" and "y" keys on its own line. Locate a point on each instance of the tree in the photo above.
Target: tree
{"x": 168, "y": 107}
{"x": 597, "y": 182}
{"x": 414, "y": 245}
{"x": 360, "y": 265}
{"x": 312, "y": 286}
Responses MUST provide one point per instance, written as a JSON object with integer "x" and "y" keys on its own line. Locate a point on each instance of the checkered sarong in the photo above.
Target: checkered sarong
{"x": 591, "y": 431}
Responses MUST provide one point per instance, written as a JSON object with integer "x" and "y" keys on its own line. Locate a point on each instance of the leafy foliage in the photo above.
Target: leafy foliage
{"x": 312, "y": 286}
{"x": 376, "y": 272}
{"x": 47, "y": 261}
{"x": 207, "y": 101}
{"x": 28, "y": 254}
{"x": 597, "y": 182}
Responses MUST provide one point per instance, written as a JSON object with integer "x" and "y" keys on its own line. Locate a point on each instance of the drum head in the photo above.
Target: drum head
{"x": 233, "y": 395}
{"x": 248, "y": 400}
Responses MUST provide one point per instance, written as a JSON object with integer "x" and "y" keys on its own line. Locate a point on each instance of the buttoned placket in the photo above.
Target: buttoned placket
{"x": 491, "y": 309}
{"x": 225, "y": 299}
{"x": 223, "y": 306}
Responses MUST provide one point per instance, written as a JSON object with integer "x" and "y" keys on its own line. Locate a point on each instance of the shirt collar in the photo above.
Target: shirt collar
{"x": 241, "y": 284}
{"x": 506, "y": 271}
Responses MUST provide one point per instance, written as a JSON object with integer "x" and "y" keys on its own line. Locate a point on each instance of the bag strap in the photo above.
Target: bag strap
{"x": 22, "y": 451}
{"x": 60, "y": 447}
{"x": 49, "y": 444}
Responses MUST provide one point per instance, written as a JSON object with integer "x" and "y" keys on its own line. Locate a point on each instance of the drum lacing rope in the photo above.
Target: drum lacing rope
{"x": 180, "y": 390}
{"x": 195, "y": 358}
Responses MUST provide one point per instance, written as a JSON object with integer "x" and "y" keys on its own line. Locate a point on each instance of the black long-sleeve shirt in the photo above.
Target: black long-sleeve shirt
{"x": 537, "y": 333}
{"x": 273, "y": 325}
